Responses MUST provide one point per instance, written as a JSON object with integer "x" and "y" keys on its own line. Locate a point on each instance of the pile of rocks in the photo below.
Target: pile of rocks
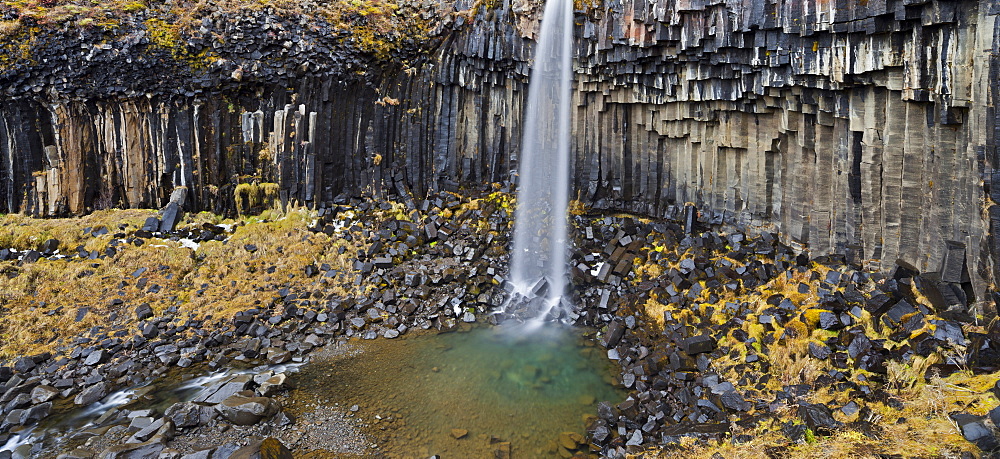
{"x": 241, "y": 400}
{"x": 721, "y": 316}
{"x": 701, "y": 324}
{"x": 442, "y": 266}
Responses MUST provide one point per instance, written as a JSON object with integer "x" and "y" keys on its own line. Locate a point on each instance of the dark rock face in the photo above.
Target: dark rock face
{"x": 839, "y": 126}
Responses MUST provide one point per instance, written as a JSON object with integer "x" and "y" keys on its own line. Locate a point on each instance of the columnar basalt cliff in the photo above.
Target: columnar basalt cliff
{"x": 862, "y": 128}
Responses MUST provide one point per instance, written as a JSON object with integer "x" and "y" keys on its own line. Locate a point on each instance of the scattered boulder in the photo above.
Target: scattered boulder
{"x": 698, "y": 344}
{"x": 188, "y": 414}
{"x": 97, "y": 357}
{"x": 152, "y": 224}
{"x": 162, "y": 428}
{"x": 42, "y": 394}
{"x": 146, "y": 450}
{"x": 139, "y": 422}
{"x": 244, "y": 411}
{"x": 21, "y": 400}
{"x": 616, "y": 330}
{"x": 222, "y": 390}
{"x": 974, "y": 429}
{"x": 35, "y": 413}
{"x": 273, "y": 385}
{"x": 277, "y": 356}
{"x": 819, "y": 418}
{"x": 49, "y": 246}
{"x": 92, "y": 394}
{"x": 143, "y": 311}
{"x": 170, "y": 215}
{"x": 203, "y": 454}
{"x": 78, "y": 453}
{"x": 24, "y": 364}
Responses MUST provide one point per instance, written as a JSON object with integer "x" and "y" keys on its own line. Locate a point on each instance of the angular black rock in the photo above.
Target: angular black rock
{"x": 698, "y": 344}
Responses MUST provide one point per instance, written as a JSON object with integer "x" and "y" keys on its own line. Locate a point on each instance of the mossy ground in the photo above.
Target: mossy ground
{"x": 920, "y": 428}
{"x": 40, "y": 301}
{"x": 378, "y": 27}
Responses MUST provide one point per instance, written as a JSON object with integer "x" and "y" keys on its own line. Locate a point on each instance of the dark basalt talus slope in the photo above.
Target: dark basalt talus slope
{"x": 859, "y": 128}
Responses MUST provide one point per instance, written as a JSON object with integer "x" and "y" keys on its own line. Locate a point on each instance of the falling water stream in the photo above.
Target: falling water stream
{"x": 538, "y": 258}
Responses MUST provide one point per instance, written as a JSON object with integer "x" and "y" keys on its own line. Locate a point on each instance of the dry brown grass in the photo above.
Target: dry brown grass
{"x": 921, "y": 429}
{"x": 238, "y": 279}
{"x": 217, "y": 280}
{"x": 8, "y": 29}
{"x": 24, "y": 233}
{"x": 66, "y": 286}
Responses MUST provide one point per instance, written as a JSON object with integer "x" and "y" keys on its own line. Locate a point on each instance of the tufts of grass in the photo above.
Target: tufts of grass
{"x": 921, "y": 429}
{"x": 24, "y": 233}
{"x": 229, "y": 278}
{"x": 39, "y": 302}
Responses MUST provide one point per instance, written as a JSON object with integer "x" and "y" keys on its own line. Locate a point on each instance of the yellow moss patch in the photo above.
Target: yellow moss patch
{"x": 377, "y": 26}
{"x": 654, "y": 311}
{"x": 16, "y": 47}
{"x": 925, "y": 429}
{"x": 811, "y": 317}
{"x": 586, "y": 5}
{"x": 167, "y": 36}
{"x": 255, "y": 196}
{"x": 578, "y": 207}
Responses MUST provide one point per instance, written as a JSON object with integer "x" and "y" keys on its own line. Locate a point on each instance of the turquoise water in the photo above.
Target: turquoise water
{"x": 499, "y": 384}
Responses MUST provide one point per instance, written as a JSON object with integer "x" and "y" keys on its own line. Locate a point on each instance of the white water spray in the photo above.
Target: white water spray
{"x": 538, "y": 258}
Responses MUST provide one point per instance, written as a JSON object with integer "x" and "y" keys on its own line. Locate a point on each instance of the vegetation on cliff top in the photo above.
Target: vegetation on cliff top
{"x": 378, "y": 27}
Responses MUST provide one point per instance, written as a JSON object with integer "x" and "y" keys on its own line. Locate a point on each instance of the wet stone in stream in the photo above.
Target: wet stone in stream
{"x": 477, "y": 392}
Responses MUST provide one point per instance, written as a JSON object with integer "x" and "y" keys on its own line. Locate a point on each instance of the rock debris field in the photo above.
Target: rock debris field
{"x": 724, "y": 342}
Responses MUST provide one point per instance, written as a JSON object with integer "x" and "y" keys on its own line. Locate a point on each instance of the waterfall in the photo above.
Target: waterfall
{"x": 538, "y": 258}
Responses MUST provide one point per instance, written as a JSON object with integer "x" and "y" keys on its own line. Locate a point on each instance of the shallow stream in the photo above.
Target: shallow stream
{"x": 469, "y": 393}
